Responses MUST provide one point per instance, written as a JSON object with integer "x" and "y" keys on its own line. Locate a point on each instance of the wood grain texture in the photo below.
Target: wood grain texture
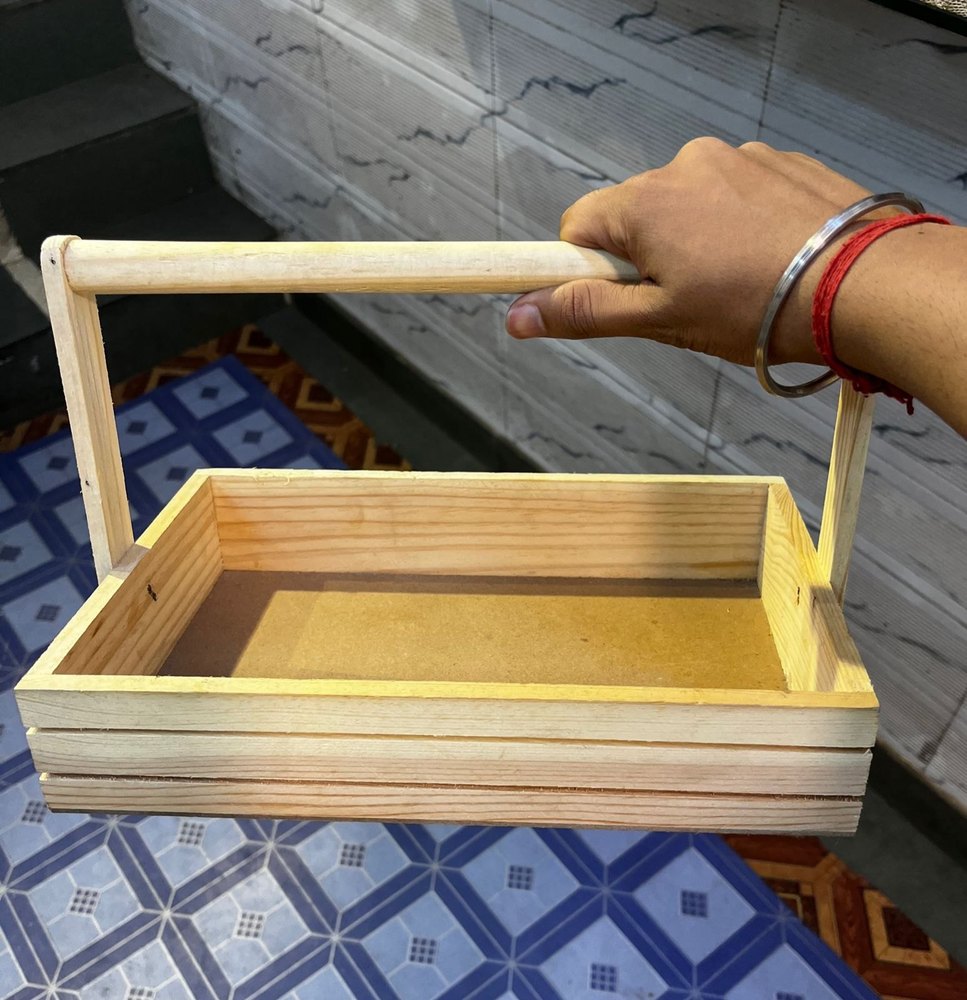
{"x": 121, "y": 267}
{"x": 87, "y": 390}
{"x": 497, "y": 525}
{"x": 814, "y": 646}
{"x": 841, "y": 508}
{"x": 450, "y": 804}
{"x": 456, "y": 761}
{"x": 135, "y": 615}
{"x": 514, "y": 711}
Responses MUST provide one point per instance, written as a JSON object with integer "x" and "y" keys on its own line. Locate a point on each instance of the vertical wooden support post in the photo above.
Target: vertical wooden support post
{"x": 851, "y": 441}
{"x": 83, "y": 369}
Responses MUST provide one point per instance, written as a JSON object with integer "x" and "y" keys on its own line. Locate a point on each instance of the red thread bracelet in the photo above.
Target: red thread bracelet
{"x": 826, "y": 293}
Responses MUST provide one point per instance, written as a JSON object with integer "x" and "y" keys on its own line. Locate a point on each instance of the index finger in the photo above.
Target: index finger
{"x": 598, "y": 220}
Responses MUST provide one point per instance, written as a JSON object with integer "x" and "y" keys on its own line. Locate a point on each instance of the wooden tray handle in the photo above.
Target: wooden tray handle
{"x": 76, "y": 270}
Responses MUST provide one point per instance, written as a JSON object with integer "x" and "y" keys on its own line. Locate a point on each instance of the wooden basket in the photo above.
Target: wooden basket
{"x": 655, "y": 651}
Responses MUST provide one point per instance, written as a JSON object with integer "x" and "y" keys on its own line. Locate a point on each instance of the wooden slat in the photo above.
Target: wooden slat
{"x": 815, "y": 649}
{"x": 400, "y": 760}
{"x": 538, "y": 711}
{"x": 449, "y": 804}
{"x": 851, "y": 442}
{"x": 83, "y": 372}
{"x": 526, "y": 525}
{"x": 124, "y": 267}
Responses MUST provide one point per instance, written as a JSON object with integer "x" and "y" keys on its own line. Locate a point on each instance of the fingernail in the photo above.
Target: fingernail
{"x": 524, "y": 320}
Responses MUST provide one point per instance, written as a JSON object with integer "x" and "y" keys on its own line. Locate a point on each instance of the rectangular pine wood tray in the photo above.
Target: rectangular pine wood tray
{"x": 633, "y": 651}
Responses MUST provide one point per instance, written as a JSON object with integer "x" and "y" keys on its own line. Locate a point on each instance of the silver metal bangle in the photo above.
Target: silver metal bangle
{"x": 813, "y": 247}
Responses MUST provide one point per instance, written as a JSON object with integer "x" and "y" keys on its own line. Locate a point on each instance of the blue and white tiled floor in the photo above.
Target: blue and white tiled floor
{"x": 168, "y": 908}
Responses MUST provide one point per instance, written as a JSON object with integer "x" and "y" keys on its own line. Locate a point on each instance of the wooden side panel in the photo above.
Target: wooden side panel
{"x": 815, "y": 649}
{"x": 395, "y": 760}
{"x": 449, "y": 804}
{"x": 499, "y": 711}
{"x": 525, "y": 525}
{"x": 130, "y": 623}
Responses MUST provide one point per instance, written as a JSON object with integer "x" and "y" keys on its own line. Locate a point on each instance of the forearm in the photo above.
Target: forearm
{"x": 901, "y": 313}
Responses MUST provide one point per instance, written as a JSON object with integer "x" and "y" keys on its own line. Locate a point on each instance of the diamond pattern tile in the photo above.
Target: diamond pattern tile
{"x": 180, "y": 908}
{"x": 694, "y": 904}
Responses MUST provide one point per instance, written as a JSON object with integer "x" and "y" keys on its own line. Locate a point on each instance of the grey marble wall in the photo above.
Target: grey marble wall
{"x": 484, "y": 119}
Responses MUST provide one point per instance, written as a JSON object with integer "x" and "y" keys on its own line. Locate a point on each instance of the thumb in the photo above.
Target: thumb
{"x": 580, "y": 310}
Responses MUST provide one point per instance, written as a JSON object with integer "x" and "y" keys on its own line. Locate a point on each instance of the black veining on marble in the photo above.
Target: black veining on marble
{"x": 892, "y": 432}
{"x": 453, "y": 306}
{"x": 570, "y": 452}
{"x": 621, "y": 25}
{"x": 301, "y": 199}
{"x": 944, "y": 48}
{"x": 262, "y": 43}
{"x": 401, "y": 173}
{"x": 582, "y": 363}
{"x": 235, "y": 78}
{"x": 884, "y": 629}
{"x": 793, "y": 446}
{"x": 578, "y": 89}
{"x": 444, "y": 140}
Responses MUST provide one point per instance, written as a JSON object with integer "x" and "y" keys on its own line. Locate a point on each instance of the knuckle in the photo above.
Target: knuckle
{"x": 705, "y": 145}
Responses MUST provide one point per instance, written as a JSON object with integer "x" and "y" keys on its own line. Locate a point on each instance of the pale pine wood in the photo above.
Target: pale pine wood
{"x": 455, "y": 761}
{"x": 127, "y": 628}
{"x": 815, "y": 649}
{"x": 124, "y": 267}
{"x": 83, "y": 370}
{"x": 496, "y": 525}
{"x": 502, "y": 748}
{"x": 841, "y": 508}
{"x": 454, "y": 804}
{"x": 516, "y": 711}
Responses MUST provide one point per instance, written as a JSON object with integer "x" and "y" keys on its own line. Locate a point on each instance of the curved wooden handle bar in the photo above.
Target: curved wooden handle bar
{"x": 75, "y": 270}
{"x": 120, "y": 267}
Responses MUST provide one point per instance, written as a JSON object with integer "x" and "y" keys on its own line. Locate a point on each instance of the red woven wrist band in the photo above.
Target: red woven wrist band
{"x": 826, "y": 295}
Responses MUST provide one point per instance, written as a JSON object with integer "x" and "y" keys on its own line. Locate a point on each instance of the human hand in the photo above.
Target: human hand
{"x": 711, "y": 234}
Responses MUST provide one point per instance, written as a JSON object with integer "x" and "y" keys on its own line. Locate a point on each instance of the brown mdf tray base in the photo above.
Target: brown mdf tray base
{"x": 466, "y": 629}
{"x": 592, "y": 650}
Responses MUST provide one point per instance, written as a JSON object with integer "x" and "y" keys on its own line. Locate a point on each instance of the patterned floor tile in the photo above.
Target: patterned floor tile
{"x": 21, "y": 550}
{"x": 11, "y": 729}
{"x": 694, "y": 904}
{"x": 26, "y": 825}
{"x": 165, "y": 475}
{"x": 209, "y": 392}
{"x": 184, "y": 847}
{"x": 609, "y": 845}
{"x": 252, "y": 437}
{"x": 50, "y": 465}
{"x": 142, "y": 424}
{"x": 350, "y": 860}
{"x": 785, "y": 976}
{"x": 423, "y": 950}
{"x": 248, "y": 927}
{"x": 38, "y": 615}
{"x": 83, "y": 902}
{"x": 520, "y": 879}
{"x": 327, "y": 984}
{"x": 599, "y": 961}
